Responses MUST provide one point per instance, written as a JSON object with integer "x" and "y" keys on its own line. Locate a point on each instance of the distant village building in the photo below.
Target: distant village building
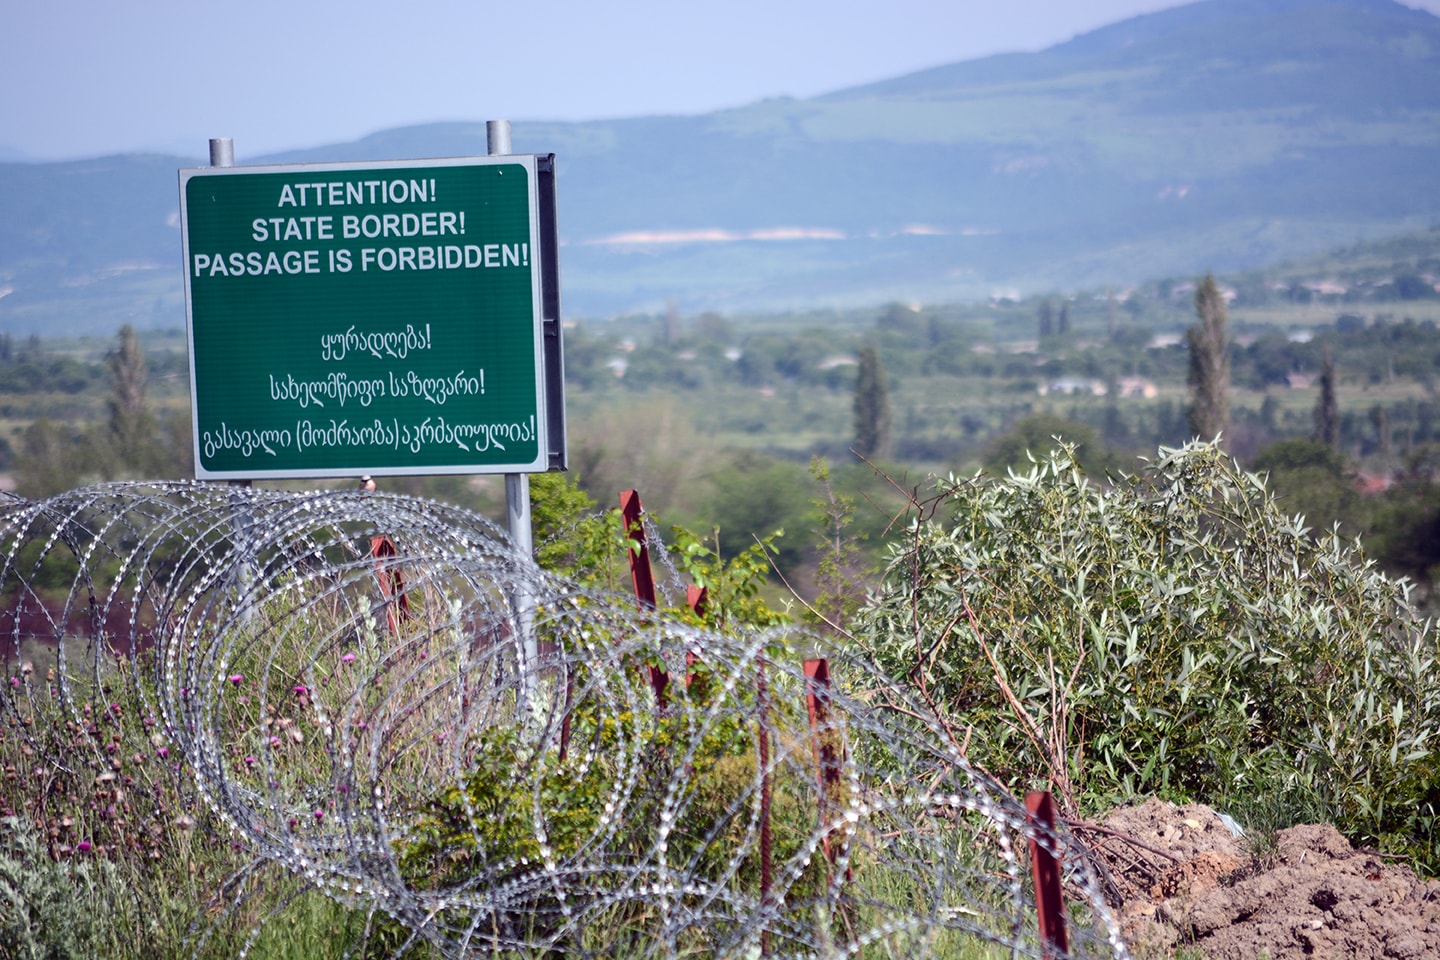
{"x": 1370, "y": 484}
{"x": 1136, "y": 388}
{"x": 1299, "y": 381}
{"x": 1068, "y": 386}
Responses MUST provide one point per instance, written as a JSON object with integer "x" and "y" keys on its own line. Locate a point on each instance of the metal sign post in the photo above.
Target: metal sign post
{"x": 517, "y": 499}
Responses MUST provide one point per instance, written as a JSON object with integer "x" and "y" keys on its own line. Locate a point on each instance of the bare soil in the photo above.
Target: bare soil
{"x": 1186, "y": 883}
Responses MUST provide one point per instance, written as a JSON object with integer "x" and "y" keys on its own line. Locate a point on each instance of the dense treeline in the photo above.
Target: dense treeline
{"x": 717, "y": 419}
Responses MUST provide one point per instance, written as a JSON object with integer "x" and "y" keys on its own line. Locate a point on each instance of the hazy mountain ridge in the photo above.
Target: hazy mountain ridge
{"x": 1219, "y": 135}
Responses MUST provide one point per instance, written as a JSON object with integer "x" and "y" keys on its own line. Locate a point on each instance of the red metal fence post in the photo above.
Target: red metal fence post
{"x": 762, "y": 704}
{"x": 642, "y": 576}
{"x": 1049, "y": 901}
{"x": 822, "y": 742}
{"x": 392, "y": 582}
{"x": 696, "y": 598}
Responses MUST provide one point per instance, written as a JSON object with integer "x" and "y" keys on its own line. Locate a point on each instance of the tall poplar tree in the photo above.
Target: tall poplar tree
{"x": 1046, "y": 314}
{"x": 1327, "y": 409}
{"x": 1209, "y": 342}
{"x": 872, "y": 407}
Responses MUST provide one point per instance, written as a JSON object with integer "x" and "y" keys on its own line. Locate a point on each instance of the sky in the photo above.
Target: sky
{"x": 86, "y": 78}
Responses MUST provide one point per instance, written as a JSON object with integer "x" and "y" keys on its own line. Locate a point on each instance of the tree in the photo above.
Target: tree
{"x": 872, "y": 407}
{"x": 49, "y": 459}
{"x": 1327, "y": 410}
{"x": 1047, "y": 319}
{"x": 1313, "y": 480}
{"x": 130, "y": 426}
{"x": 1033, "y": 438}
{"x": 1209, "y": 363}
{"x": 1171, "y": 633}
{"x": 840, "y": 569}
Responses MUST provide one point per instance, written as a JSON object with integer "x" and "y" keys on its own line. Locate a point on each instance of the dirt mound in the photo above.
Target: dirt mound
{"x": 1184, "y": 878}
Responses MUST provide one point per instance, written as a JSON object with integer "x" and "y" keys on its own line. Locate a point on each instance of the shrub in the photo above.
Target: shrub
{"x": 1172, "y": 634}
{"x": 50, "y": 908}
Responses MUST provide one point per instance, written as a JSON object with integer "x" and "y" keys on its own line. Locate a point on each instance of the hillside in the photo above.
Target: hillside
{"x": 1220, "y": 135}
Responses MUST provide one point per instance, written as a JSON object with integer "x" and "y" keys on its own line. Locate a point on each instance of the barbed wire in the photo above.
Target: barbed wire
{"x": 341, "y": 678}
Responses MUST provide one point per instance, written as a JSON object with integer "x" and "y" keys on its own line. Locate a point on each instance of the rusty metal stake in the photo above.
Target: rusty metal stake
{"x": 827, "y": 756}
{"x": 696, "y": 598}
{"x": 392, "y": 582}
{"x": 642, "y": 577}
{"x": 762, "y": 702}
{"x": 1049, "y": 901}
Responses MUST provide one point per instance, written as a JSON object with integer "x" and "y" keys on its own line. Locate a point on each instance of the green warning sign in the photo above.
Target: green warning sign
{"x": 366, "y": 318}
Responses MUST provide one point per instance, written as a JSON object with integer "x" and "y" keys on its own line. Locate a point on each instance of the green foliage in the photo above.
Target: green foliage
{"x": 571, "y": 536}
{"x": 750, "y": 498}
{"x": 733, "y": 585}
{"x": 1175, "y": 634}
{"x": 841, "y": 570}
{"x": 1040, "y": 433}
{"x": 527, "y": 804}
{"x": 1404, "y": 526}
{"x": 51, "y": 910}
{"x": 1313, "y": 480}
{"x": 57, "y": 454}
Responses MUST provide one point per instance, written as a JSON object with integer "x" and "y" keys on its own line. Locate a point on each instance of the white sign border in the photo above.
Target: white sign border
{"x": 542, "y": 456}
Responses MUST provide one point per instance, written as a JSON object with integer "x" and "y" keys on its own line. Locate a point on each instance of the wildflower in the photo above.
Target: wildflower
{"x": 249, "y": 761}
{"x": 348, "y": 658}
{"x": 14, "y": 681}
{"x": 83, "y": 846}
{"x": 237, "y": 678}
{"x": 301, "y": 690}
{"x": 163, "y": 752}
{"x": 319, "y": 815}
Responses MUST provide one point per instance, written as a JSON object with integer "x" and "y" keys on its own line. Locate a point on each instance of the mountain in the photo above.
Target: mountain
{"x": 1221, "y": 135}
